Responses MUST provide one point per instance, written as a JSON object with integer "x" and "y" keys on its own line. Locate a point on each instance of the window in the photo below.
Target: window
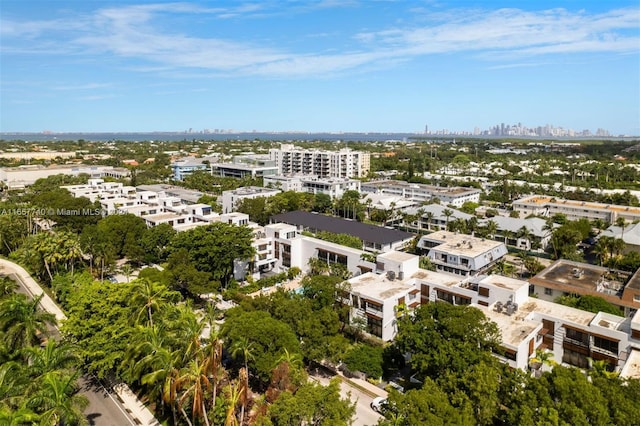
{"x": 374, "y": 326}
{"x": 483, "y": 291}
{"x": 605, "y": 344}
{"x": 636, "y": 298}
{"x": 548, "y": 291}
{"x": 577, "y": 337}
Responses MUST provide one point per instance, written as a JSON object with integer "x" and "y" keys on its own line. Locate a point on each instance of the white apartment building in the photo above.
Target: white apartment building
{"x": 455, "y": 196}
{"x": 242, "y": 166}
{"x": 541, "y": 205}
{"x": 230, "y": 199}
{"x": 333, "y": 187}
{"x": 461, "y": 254}
{"x": 345, "y": 163}
{"x": 526, "y": 324}
{"x": 23, "y": 176}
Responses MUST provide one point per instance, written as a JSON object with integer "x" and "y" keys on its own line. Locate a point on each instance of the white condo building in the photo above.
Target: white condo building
{"x": 345, "y": 163}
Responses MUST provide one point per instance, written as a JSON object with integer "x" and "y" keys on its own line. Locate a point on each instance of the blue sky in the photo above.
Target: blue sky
{"x": 325, "y": 65}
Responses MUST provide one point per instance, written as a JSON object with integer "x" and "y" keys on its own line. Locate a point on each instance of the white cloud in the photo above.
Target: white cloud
{"x": 499, "y": 35}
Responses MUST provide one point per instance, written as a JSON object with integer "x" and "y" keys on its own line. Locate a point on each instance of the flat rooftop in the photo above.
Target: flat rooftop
{"x": 366, "y": 232}
{"x": 572, "y": 276}
{"x": 631, "y": 368}
{"x": 513, "y": 330}
{"x": 542, "y": 200}
{"x": 556, "y": 310}
{"x": 504, "y": 282}
{"x": 462, "y": 244}
{"x": 439, "y": 278}
{"x": 397, "y": 256}
{"x": 378, "y": 287}
{"x": 162, "y": 216}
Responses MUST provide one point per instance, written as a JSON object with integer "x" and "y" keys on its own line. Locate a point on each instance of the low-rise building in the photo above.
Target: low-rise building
{"x": 630, "y": 234}
{"x": 455, "y": 196}
{"x": 333, "y": 187}
{"x": 565, "y": 277}
{"x": 186, "y": 166}
{"x": 541, "y": 205}
{"x": 511, "y": 231}
{"x": 246, "y": 166}
{"x": 23, "y": 176}
{"x": 230, "y": 199}
{"x": 461, "y": 254}
{"x": 374, "y": 238}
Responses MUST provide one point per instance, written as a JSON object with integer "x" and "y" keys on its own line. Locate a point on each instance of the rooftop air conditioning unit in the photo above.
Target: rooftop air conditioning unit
{"x": 391, "y": 275}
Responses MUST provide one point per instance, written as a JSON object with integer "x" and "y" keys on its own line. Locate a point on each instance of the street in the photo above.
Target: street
{"x": 365, "y": 416}
{"x": 104, "y": 408}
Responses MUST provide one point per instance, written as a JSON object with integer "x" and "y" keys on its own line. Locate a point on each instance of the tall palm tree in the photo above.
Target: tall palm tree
{"x": 243, "y": 382}
{"x": 233, "y": 392}
{"x": 243, "y": 347}
{"x": 194, "y": 382}
{"x": 165, "y": 373}
{"x": 57, "y": 399}
{"x": 492, "y": 228}
{"x": 22, "y": 321}
{"x": 621, "y": 223}
{"x": 447, "y": 213}
{"x": 213, "y": 353}
{"x": 429, "y": 217}
{"x": 150, "y": 297}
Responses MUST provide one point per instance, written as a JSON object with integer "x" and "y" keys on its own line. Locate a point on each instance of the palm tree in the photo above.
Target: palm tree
{"x": 150, "y": 296}
{"x": 243, "y": 383}
{"x": 18, "y": 417}
{"x": 22, "y": 321}
{"x": 54, "y": 356}
{"x": 166, "y": 373}
{"x": 57, "y": 400}
{"x": 621, "y": 223}
{"x": 127, "y": 271}
{"x": 233, "y": 392}
{"x": 243, "y": 347}
{"x": 492, "y": 228}
{"x": 602, "y": 249}
{"x": 213, "y": 352}
{"x": 447, "y": 213}
{"x": 193, "y": 379}
{"x": 429, "y": 217}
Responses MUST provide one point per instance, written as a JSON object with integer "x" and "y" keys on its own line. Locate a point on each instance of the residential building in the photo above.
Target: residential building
{"x": 345, "y": 163}
{"x": 510, "y": 230}
{"x": 23, "y": 176}
{"x": 374, "y": 238}
{"x": 432, "y": 217}
{"x": 461, "y": 254}
{"x": 186, "y": 196}
{"x": 541, "y": 205}
{"x": 455, "y": 196}
{"x": 333, "y": 187}
{"x": 245, "y": 166}
{"x": 565, "y": 277}
{"x": 185, "y": 166}
{"x": 630, "y": 234}
{"x": 231, "y": 198}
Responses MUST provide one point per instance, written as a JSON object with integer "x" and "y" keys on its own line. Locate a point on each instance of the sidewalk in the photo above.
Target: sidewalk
{"x": 130, "y": 401}
{"x": 47, "y": 304}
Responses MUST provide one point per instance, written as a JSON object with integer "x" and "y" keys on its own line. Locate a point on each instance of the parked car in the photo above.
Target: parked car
{"x": 379, "y": 404}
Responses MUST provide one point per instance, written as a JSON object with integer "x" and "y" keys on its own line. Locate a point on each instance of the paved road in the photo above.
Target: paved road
{"x": 104, "y": 408}
{"x": 365, "y": 416}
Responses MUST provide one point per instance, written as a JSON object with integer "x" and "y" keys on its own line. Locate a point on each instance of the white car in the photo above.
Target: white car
{"x": 378, "y": 404}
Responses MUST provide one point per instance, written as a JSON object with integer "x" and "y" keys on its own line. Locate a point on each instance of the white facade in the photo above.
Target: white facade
{"x": 230, "y": 199}
{"x": 461, "y": 254}
{"x": 333, "y": 187}
{"x": 345, "y": 163}
{"x": 23, "y": 176}
{"x": 455, "y": 196}
{"x": 541, "y": 205}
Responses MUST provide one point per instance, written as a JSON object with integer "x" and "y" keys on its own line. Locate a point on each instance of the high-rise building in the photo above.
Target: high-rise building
{"x": 344, "y": 163}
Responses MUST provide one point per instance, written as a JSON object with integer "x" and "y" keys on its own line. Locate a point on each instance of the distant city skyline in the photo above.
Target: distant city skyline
{"x": 321, "y": 66}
